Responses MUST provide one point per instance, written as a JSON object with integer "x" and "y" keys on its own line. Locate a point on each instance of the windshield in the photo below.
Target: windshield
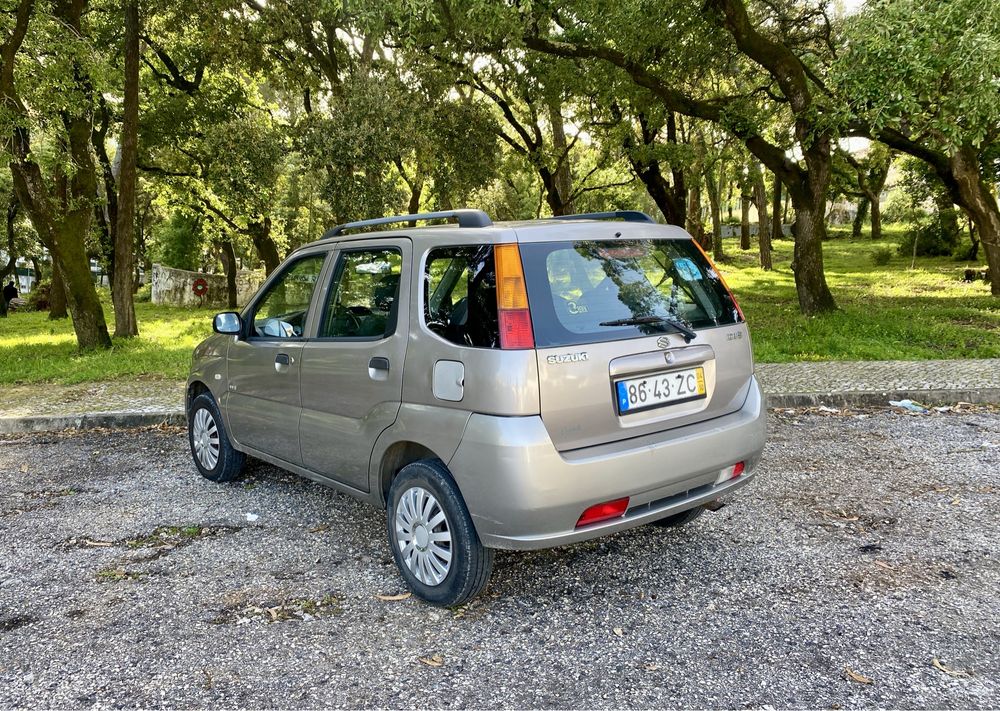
{"x": 577, "y": 288}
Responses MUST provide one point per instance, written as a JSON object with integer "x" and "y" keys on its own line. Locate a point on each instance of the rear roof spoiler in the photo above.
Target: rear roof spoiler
{"x": 624, "y": 215}
{"x": 465, "y": 218}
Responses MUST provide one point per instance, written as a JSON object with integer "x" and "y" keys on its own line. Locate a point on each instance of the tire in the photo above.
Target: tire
{"x": 214, "y": 455}
{"x": 680, "y": 519}
{"x": 445, "y": 564}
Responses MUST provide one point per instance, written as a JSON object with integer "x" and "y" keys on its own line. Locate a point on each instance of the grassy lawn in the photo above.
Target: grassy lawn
{"x": 886, "y": 313}
{"x": 34, "y": 349}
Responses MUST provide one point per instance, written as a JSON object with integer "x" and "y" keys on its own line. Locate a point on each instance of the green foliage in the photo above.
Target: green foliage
{"x": 38, "y": 298}
{"x": 935, "y": 236}
{"x": 178, "y": 241}
{"x": 881, "y": 256}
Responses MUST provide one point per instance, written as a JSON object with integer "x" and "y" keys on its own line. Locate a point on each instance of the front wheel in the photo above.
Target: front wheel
{"x": 433, "y": 540}
{"x": 213, "y": 453}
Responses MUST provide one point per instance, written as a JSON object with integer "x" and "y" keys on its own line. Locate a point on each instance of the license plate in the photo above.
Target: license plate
{"x": 659, "y": 389}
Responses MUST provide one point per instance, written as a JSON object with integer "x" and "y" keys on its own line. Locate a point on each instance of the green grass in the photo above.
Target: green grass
{"x": 34, "y": 349}
{"x": 886, "y": 313}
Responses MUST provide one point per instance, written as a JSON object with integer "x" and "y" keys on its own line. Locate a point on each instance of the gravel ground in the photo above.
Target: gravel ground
{"x": 867, "y": 545}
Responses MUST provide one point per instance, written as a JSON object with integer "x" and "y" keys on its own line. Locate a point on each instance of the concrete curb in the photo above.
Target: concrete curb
{"x": 90, "y": 421}
{"x": 126, "y": 420}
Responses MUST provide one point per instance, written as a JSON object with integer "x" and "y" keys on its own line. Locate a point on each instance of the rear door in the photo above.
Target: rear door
{"x": 352, "y": 372}
{"x": 611, "y": 366}
{"x": 263, "y": 404}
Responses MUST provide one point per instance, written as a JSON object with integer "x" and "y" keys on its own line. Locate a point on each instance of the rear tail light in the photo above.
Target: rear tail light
{"x": 721, "y": 278}
{"x": 738, "y": 469}
{"x": 512, "y": 299}
{"x": 603, "y": 512}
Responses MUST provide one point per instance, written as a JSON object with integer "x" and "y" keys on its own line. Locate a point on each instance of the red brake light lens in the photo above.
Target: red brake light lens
{"x": 738, "y": 469}
{"x": 603, "y": 512}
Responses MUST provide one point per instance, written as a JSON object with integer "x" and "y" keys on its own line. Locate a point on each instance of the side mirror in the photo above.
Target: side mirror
{"x": 228, "y": 322}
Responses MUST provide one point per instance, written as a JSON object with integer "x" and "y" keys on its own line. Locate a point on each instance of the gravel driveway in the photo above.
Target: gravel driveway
{"x": 866, "y": 547}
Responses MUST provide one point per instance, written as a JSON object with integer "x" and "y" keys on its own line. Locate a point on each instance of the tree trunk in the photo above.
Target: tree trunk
{"x": 876, "y": 218}
{"x": 126, "y": 325}
{"x": 776, "y": 223}
{"x": 763, "y": 225}
{"x": 416, "y": 190}
{"x": 57, "y": 294}
{"x": 228, "y": 255}
{"x": 694, "y": 226}
{"x": 859, "y": 218}
{"x": 713, "y": 186}
{"x": 264, "y": 244}
{"x": 744, "y": 217}
{"x": 809, "y": 229}
{"x": 36, "y": 267}
{"x": 729, "y": 200}
{"x": 562, "y": 175}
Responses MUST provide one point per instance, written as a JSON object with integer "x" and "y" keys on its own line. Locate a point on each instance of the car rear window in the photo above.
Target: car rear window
{"x": 575, "y": 287}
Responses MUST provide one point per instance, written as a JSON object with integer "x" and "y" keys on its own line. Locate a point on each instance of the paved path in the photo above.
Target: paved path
{"x": 841, "y": 383}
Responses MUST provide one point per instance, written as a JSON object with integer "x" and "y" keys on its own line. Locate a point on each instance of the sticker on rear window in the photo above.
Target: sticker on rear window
{"x": 687, "y": 269}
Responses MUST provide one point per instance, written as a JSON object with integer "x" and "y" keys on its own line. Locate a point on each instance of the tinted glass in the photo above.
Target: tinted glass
{"x": 575, "y": 287}
{"x": 283, "y": 310}
{"x": 364, "y": 295}
{"x": 460, "y": 296}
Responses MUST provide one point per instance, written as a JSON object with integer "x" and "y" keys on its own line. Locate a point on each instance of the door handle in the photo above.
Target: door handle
{"x": 282, "y": 361}
{"x": 379, "y": 363}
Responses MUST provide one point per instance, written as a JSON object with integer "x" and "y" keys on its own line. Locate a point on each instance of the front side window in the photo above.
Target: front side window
{"x": 460, "y": 296}
{"x": 591, "y": 291}
{"x": 364, "y": 296}
{"x": 282, "y": 312}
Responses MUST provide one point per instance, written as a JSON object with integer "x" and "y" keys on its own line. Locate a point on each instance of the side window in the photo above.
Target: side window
{"x": 364, "y": 295}
{"x": 460, "y": 296}
{"x": 282, "y": 312}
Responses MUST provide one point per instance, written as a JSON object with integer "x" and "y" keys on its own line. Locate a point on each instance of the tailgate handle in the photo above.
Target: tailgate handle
{"x": 379, "y": 363}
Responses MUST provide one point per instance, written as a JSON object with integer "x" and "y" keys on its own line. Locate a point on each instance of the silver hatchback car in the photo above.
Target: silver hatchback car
{"x": 516, "y": 385}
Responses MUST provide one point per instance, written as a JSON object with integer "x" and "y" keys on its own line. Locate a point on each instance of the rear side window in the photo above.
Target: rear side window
{"x": 580, "y": 292}
{"x": 460, "y": 296}
{"x": 363, "y": 299}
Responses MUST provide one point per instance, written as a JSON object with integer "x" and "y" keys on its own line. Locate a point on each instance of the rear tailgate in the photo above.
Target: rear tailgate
{"x": 599, "y": 383}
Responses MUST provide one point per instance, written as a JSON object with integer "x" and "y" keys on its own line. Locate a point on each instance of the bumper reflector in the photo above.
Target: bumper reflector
{"x": 733, "y": 472}
{"x": 603, "y": 512}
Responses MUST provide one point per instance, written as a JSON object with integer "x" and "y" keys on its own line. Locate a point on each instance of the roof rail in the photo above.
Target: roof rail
{"x": 466, "y": 218}
{"x": 625, "y": 215}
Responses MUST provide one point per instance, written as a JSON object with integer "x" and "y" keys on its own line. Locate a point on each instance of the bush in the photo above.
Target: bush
{"x": 881, "y": 256}
{"x": 144, "y": 294}
{"x": 935, "y": 237}
{"x": 38, "y": 299}
{"x": 899, "y": 208}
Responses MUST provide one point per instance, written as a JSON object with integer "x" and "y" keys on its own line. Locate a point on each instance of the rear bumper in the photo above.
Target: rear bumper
{"x": 524, "y": 494}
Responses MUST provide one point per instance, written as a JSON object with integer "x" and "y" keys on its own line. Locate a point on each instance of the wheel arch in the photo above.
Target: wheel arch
{"x": 194, "y": 389}
{"x": 395, "y": 457}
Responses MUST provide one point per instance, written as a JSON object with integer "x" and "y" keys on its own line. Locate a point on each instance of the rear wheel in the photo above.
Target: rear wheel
{"x": 680, "y": 519}
{"x": 432, "y": 538}
{"x": 213, "y": 454}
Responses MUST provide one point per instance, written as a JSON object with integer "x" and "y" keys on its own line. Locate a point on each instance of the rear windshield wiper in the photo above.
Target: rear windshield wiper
{"x": 654, "y": 320}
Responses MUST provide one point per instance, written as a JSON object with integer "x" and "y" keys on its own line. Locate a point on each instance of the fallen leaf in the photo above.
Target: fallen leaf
{"x": 956, "y": 501}
{"x": 859, "y": 678}
{"x": 320, "y": 528}
{"x": 651, "y": 667}
{"x": 619, "y": 631}
{"x": 940, "y": 489}
{"x": 101, "y": 544}
{"x": 883, "y": 564}
{"x": 435, "y": 660}
{"x": 393, "y": 598}
{"x": 936, "y": 663}
{"x": 24, "y": 468}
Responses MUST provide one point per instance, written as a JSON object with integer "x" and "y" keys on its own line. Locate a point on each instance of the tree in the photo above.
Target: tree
{"x": 53, "y": 168}
{"x": 776, "y": 51}
{"x": 922, "y": 78}
{"x": 124, "y": 268}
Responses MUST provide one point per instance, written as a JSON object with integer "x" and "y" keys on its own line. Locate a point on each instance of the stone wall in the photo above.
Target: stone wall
{"x": 175, "y": 287}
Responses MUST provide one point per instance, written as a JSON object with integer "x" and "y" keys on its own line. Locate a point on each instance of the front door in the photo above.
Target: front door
{"x": 263, "y": 403}
{"x": 352, "y": 372}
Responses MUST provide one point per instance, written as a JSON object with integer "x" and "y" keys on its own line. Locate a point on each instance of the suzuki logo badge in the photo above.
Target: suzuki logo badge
{"x": 663, "y": 342}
